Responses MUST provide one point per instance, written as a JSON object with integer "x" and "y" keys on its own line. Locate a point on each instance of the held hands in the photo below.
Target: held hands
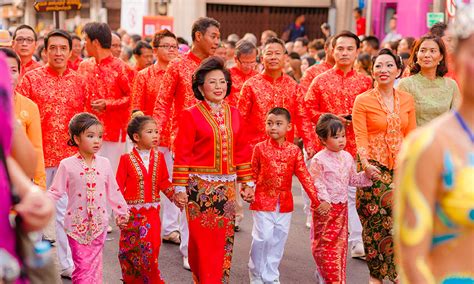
{"x": 180, "y": 199}
{"x": 323, "y": 208}
{"x": 373, "y": 172}
{"x": 247, "y": 193}
{"x": 98, "y": 105}
{"x": 122, "y": 221}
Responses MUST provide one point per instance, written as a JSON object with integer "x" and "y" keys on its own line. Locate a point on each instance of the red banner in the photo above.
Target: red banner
{"x": 153, "y": 24}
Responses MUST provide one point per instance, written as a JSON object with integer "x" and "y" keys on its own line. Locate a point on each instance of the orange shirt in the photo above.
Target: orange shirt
{"x": 274, "y": 165}
{"x": 110, "y": 79}
{"x": 311, "y": 73}
{"x": 175, "y": 93}
{"x": 59, "y": 98}
{"x": 238, "y": 79}
{"x": 379, "y": 132}
{"x": 333, "y": 92}
{"x": 260, "y": 94}
{"x": 31, "y": 65}
{"x": 27, "y": 113}
{"x": 144, "y": 92}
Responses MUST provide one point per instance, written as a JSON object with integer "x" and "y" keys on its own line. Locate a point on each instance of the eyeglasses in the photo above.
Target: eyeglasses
{"x": 250, "y": 64}
{"x": 28, "y": 40}
{"x": 167, "y": 46}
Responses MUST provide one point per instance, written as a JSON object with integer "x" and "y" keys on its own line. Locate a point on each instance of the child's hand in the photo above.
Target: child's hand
{"x": 372, "y": 172}
{"x": 180, "y": 199}
{"x": 122, "y": 221}
{"x": 323, "y": 208}
{"x": 247, "y": 193}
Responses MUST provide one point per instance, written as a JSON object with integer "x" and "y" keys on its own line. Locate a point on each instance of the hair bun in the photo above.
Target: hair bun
{"x": 137, "y": 113}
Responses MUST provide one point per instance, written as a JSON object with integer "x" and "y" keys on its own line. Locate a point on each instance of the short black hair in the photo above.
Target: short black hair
{"x": 372, "y": 41}
{"x": 100, "y": 32}
{"x": 138, "y": 48}
{"x": 21, "y": 27}
{"x": 136, "y": 38}
{"x": 202, "y": 24}
{"x": 10, "y": 53}
{"x": 58, "y": 33}
{"x": 80, "y": 123}
{"x": 328, "y": 125}
{"x": 160, "y": 35}
{"x": 280, "y": 111}
{"x": 303, "y": 40}
{"x": 74, "y": 36}
{"x": 311, "y": 60}
{"x": 294, "y": 55}
{"x": 346, "y": 34}
{"x": 244, "y": 47}
{"x": 272, "y": 39}
{"x": 397, "y": 59}
{"x": 209, "y": 64}
{"x": 137, "y": 123}
{"x": 358, "y": 10}
{"x": 182, "y": 41}
{"x": 438, "y": 29}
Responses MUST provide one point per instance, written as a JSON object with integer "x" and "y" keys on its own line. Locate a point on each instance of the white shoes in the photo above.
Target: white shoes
{"x": 109, "y": 229}
{"x": 309, "y": 220}
{"x": 186, "y": 263}
{"x": 357, "y": 250}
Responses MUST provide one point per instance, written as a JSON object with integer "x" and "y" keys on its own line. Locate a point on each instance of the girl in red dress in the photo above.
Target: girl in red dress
{"x": 141, "y": 175}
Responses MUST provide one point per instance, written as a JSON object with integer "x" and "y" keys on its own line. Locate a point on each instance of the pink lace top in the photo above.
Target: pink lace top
{"x": 89, "y": 189}
{"x": 333, "y": 173}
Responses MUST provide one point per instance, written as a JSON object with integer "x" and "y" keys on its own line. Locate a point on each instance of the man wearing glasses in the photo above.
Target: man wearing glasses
{"x": 245, "y": 63}
{"x": 24, "y": 44}
{"x": 176, "y": 93}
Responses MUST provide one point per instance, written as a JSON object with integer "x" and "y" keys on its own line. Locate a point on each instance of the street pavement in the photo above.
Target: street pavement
{"x": 297, "y": 265}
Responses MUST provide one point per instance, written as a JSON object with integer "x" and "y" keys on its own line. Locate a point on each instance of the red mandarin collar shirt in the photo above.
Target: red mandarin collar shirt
{"x": 175, "y": 93}
{"x": 260, "y": 94}
{"x": 32, "y": 65}
{"x": 311, "y": 73}
{"x": 74, "y": 65}
{"x": 274, "y": 165}
{"x": 111, "y": 79}
{"x": 144, "y": 93}
{"x": 238, "y": 79}
{"x": 333, "y": 92}
{"x": 211, "y": 144}
{"x": 59, "y": 98}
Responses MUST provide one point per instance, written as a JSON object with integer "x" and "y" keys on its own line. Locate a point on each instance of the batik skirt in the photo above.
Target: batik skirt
{"x": 139, "y": 246}
{"x": 211, "y": 215}
{"x": 329, "y": 243}
{"x": 374, "y": 206}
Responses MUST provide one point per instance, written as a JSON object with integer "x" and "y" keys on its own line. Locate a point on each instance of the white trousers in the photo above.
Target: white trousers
{"x": 269, "y": 235}
{"x": 63, "y": 249}
{"x": 112, "y": 151}
{"x": 173, "y": 219}
{"x": 355, "y": 227}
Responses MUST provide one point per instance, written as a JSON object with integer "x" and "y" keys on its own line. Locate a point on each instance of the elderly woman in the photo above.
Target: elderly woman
{"x": 382, "y": 117}
{"x": 434, "y": 214}
{"x": 211, "y": 154}
{"x": 434, "y": 94}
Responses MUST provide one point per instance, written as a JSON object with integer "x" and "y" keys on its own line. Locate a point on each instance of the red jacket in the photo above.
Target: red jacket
{"x": 274, "y": 166}
{"x": 238, "y": 79}
{"x": 140, "y": 186}
{"x": 205, "y": 146}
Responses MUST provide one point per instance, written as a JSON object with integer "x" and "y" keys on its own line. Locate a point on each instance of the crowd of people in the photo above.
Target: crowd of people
{"x": 118, "y": 123}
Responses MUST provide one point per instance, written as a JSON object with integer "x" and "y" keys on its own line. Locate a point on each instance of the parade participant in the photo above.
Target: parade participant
{"x": 143, "y": 54}
{"x": 269, "y": 89}
{"x": 317, "y": 69}
{"x": 27, "y": 113}
{"x": 108, "y": 87}
{"x": 24, "y": 44}
{"x": 246, "y": 61}
{"x": 334, "y": 92}
{"x": 274, "y": 162}
{"x": 174, "y": 96}
{"x": 434, "y": 93}
{"x": 76, "y": 53}
{"x": 116, "y": 46}
{"x": 382, "y": 117}
{"x": 58, "y": 91}
{"x": 434, "y": 198}
{"x": 211, "y": 154}
{"x": 333, "y": 171}
{"x": 141, "y": 175}
{"x": 89, "y": 183}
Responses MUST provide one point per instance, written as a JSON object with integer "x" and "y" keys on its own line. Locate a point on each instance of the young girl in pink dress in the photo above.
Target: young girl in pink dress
{"x": 333, "y": 170}
{"x": 90, "y": 185}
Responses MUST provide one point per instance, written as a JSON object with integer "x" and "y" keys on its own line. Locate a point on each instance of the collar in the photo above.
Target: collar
{"x": 270, "y": 79}
{"x": 106, "y": 60}
{"x": 341, "y": 73}
{"x": 193, "y": 57}
{"x": 242, "y": 74}
{"x": 54, "y": 73}
{"x": 275, "y": 144}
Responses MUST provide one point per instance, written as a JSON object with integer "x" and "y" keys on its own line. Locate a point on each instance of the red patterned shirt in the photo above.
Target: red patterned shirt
{"x": 260, "y": 94}
{"x": 110, "y": 79}
{"x": 274, "y": 165}
{"x": 332, "y": 92}
{"x": 311, "y": 73}
{"x": 59, "y": 98}
{"x": 238, "y": 79}
{"x": 31, "y": 65}
{"x": 176, "y": 93}
{"x": 74, "y": 65}
{"x": 144, "y": 92}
